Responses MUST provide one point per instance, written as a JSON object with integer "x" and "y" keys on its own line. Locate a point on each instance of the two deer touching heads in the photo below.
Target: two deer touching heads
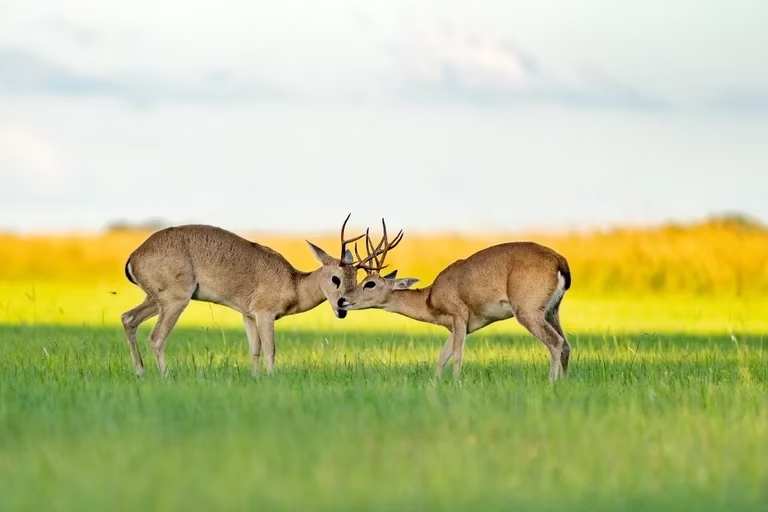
{"x": 205, "y": 263}
{"x": 342, "y": 282}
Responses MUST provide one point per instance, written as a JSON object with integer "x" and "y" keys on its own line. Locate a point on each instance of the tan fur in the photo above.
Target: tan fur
{"x": 210, "y": 264}
{"x": 524, "y": 280}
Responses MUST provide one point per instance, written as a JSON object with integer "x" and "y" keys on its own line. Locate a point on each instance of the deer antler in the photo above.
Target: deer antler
{"x": 380, "y": 250}
{"x": 388, "y": 246}
{"x": 345, "y": 242}
{"x": 361, "y": 262}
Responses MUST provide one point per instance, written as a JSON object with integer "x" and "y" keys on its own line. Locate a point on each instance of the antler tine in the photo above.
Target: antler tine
{"x": 389, "y": 246}
{"x": 381, "y": 249}
{"x": 371, "y": 250}
{"x": 397, "y": 240}
{"x": 369, "y": 269}
{"x": 373, "y": 254}
{"x": 345, "y": 242}
{"x": 383, "y": 242}
{"x": 361, "y": 262}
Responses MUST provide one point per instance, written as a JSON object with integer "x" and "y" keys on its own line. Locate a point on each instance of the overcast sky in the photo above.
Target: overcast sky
{"x": 436, "y": 114}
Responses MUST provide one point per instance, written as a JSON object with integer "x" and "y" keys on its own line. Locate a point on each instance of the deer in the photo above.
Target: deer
{"x": 521, "y": 279}
{"x": 199, "y": 262}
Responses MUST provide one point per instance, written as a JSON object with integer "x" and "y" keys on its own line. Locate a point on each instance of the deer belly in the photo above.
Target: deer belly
{"x": 490, "y": 313}
{"x": 204, "y": 294}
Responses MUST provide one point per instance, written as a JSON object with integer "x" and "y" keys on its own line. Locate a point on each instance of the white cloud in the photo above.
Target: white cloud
{"x": 346, "y": 49}
{"x": 436, "y": 53}
{"x": 24, "y": 152}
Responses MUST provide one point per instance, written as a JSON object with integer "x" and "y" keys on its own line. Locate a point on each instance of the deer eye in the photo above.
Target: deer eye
{"x": 335, "y": 280}
{"x": 369, "y": 284}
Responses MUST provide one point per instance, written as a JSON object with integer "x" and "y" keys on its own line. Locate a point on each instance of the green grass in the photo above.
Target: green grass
{"x": 356, "y": 421}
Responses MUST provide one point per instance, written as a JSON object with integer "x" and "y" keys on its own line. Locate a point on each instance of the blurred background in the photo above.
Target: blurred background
{"x": 630, "y": 136}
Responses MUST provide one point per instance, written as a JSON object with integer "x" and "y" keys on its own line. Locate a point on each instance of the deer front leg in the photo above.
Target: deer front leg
{"x": 254, "y": 342}
{"x": 445, "y": 355}
{"x": 458, "y": 334}
{"x": 266, "y": 327}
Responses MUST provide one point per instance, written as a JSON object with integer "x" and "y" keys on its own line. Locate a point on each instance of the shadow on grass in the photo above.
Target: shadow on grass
{"x": 321, "y": 357}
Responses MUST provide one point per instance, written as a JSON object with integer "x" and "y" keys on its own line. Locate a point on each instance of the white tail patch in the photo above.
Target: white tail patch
{"x": 559, "y": 292}
{"x": 130, "y": 272}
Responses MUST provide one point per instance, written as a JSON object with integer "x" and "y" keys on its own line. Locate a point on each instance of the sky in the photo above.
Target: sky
{"x": 438, "y": 115}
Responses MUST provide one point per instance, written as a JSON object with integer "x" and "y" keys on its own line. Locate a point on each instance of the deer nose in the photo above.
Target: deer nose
{"x": 342, "y": 302}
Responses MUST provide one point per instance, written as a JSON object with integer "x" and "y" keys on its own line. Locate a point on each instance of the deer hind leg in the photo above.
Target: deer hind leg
{"x": 171, "y": 307}
{"x": 131, "y": 320}
{"x": 538, "y": 326}
{"x": 553, "y": 319}
{"x": 254, "y": 342}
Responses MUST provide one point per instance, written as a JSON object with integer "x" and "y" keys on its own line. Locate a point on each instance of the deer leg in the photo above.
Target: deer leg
{"x": 170, "y": 311}
{"x": 131, "y": 320}
{"x": 254, "y": 342}
{"x": 553, "y": 319}
{"x": 458, "y": 334}
{"x": 266, "y": 327}
{"x": 445, "y": 355}
{"x": 540, "y": 328}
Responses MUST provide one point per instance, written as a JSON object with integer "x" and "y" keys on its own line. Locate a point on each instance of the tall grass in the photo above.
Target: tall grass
{"x": 718, "y": 257}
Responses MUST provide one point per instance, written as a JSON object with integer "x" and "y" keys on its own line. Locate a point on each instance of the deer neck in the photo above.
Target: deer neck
{"x": 309, "y": 295}
{"x": 413, "y": 304}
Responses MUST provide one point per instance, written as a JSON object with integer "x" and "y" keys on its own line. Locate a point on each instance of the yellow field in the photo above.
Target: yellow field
{"x": 710, "y": 277}
{"x": 100, "y": 304}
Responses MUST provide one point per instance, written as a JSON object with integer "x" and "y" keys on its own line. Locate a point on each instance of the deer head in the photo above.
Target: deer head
{"x": 374, "y": 290}
{"x": 337, "y": 275}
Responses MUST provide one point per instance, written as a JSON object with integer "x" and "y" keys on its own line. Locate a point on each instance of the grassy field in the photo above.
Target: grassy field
{"x": 356, "y": 421}
{"x": 666, "y": 407}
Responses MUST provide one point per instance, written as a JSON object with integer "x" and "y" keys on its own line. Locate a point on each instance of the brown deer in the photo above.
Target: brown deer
{"x": 205, "y": 263}
{"x": 524, "y": 280}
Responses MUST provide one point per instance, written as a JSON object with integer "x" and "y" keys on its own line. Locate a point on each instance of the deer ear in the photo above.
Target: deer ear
{"x": 391, "y": 275}
{"x": 322, "y": 256}
{"x": 405, "y": 283}
{"x": 348, "y": 258}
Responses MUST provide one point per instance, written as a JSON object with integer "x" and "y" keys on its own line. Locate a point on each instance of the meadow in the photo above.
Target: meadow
{"x": 357, "y": 422}
{"x": 665, "y": 407}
